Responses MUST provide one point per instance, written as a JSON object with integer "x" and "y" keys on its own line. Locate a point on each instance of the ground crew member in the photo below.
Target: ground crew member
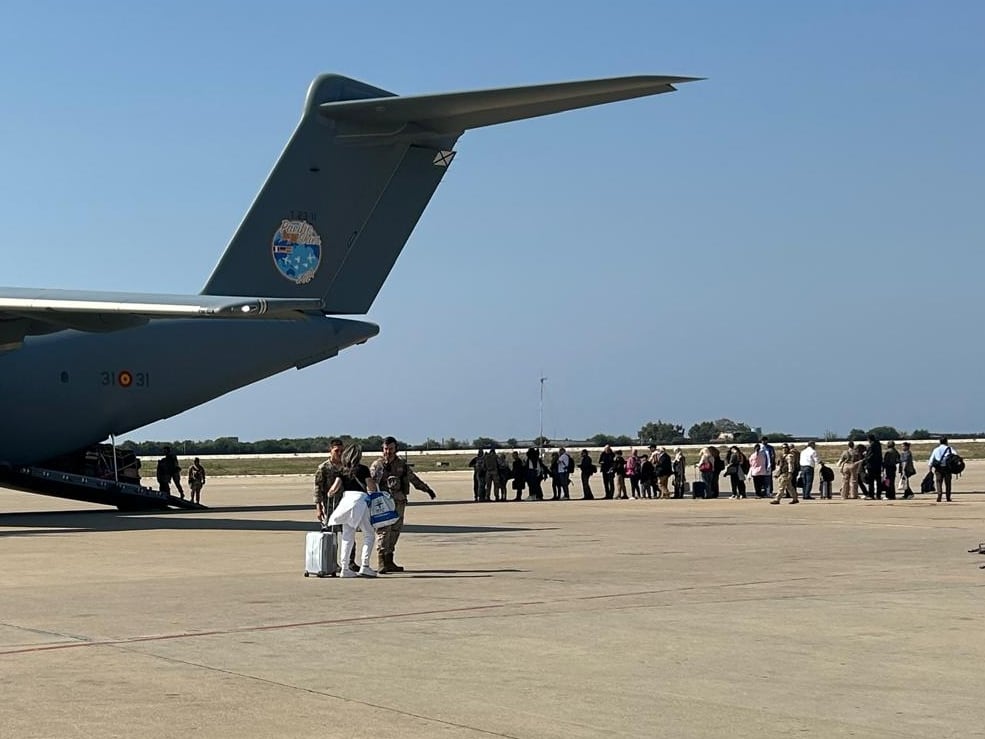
{"x": 324, "y": 477}
{"x": 490, "y": 469}
{"x": 478, "y": 482}
{"x": 196, "y": 480}
{"x": 393, "y": 474}
{"x": 784, "y": 476}
{"x": 168, "y": 471}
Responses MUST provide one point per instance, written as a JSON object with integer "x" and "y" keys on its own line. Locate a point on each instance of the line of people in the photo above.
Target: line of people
{"x": 651, "y": 476}
{"x": 867, "y": 468}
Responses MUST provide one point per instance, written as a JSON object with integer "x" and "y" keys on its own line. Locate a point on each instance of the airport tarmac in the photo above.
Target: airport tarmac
{"x": 570, "y": 619}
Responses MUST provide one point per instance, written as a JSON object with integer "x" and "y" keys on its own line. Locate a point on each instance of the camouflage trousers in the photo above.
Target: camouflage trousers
{"x": 386, "y": 539}
{"x": 784, "y": 484}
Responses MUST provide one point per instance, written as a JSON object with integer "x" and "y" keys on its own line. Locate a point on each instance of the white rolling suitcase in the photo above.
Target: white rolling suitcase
{"x": 320, "y": 558}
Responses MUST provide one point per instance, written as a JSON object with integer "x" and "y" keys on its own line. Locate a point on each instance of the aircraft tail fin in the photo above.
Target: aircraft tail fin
{"x": 353, "y": 181}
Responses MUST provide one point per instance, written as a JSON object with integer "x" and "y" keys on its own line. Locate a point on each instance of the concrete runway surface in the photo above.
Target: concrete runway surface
{"x": 571, "y": 619}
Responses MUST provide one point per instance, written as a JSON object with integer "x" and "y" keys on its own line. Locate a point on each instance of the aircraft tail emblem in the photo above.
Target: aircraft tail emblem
{"x": 296, "y": 249}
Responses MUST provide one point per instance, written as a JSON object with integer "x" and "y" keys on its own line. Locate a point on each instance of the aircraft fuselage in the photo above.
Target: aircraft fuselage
{"x": 68, "y": 390}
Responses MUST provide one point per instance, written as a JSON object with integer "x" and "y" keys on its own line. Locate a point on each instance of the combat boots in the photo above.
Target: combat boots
{"x": 387, "y": 565}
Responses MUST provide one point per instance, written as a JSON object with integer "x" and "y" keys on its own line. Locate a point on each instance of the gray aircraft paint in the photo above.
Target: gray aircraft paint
{"x": 340, "y": 188}
{"x": 357, "y": 174}
{"x": 71, "y": 381}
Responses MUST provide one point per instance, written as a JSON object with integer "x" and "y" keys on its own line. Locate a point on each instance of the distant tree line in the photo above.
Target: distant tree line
{"x": 232, "y": 445}
{"x": 654, "y": 432}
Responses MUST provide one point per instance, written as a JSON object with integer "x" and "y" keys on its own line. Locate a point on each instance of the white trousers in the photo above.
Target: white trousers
{"x": 349, "y": 542}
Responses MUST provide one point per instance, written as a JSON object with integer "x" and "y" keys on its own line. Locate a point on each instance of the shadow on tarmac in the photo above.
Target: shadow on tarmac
{"x": 445, "y": 574}
{"x": 80, "y": 522}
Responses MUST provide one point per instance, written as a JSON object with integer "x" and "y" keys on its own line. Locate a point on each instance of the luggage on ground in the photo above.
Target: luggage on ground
{"x": 320, "y": 558}
{"x": 699, "y": 489}
{"x": 927, "y": 486}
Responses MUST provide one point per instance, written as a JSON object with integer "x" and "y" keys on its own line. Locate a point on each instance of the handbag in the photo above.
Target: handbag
{"x": 382, "y": 509}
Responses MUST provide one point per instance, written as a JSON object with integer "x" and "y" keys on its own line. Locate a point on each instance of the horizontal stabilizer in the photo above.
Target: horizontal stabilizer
{"x": 453, "y": 113}
{"x": 26, "y": 302}
{"x": 361, "y": 167}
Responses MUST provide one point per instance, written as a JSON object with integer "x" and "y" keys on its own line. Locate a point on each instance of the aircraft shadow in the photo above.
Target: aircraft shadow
{"x": 60, "y": 522}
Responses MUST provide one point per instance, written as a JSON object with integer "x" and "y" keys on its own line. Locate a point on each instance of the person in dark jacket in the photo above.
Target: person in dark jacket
{"x": 719, "y": 465}
{"x": 873, "y": 467}
{"x": 587, "y": 468}
{"x": 607, "y": 462}
{"x": 519, "y": 476}
{"x": 169, "y": 472}
{"x": 907, "y": 468}
{"x": 534, "y": 472}
{"x": 552, "y": 471}
{"x": 647, "y": 477}
{"x": 890, "y": 466}
{"x": 478, "y": 475}
{"x": 619, "y": 467}
{"x": 736, "y": 467}
{"x": 663, "y": 468}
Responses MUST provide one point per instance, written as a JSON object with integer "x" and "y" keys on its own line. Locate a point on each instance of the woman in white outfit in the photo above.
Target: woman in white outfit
{"x": 352, "y": 512}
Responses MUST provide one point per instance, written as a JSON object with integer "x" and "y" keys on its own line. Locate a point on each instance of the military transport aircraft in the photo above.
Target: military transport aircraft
{"x": 77, "y": 367}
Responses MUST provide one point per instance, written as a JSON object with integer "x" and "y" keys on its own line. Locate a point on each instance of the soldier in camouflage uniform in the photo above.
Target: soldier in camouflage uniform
{"x": 786, "y": 464}
{"x": 324, "y": 477}
{"x": 394, "y": 475}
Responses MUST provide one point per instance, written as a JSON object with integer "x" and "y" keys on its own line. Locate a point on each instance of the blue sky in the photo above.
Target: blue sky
{"x": 795, "y": 242}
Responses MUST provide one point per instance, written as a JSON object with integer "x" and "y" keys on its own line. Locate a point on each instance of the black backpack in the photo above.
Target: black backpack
{"x": 827, "y": 474}
{"x": 952, "y": 463}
